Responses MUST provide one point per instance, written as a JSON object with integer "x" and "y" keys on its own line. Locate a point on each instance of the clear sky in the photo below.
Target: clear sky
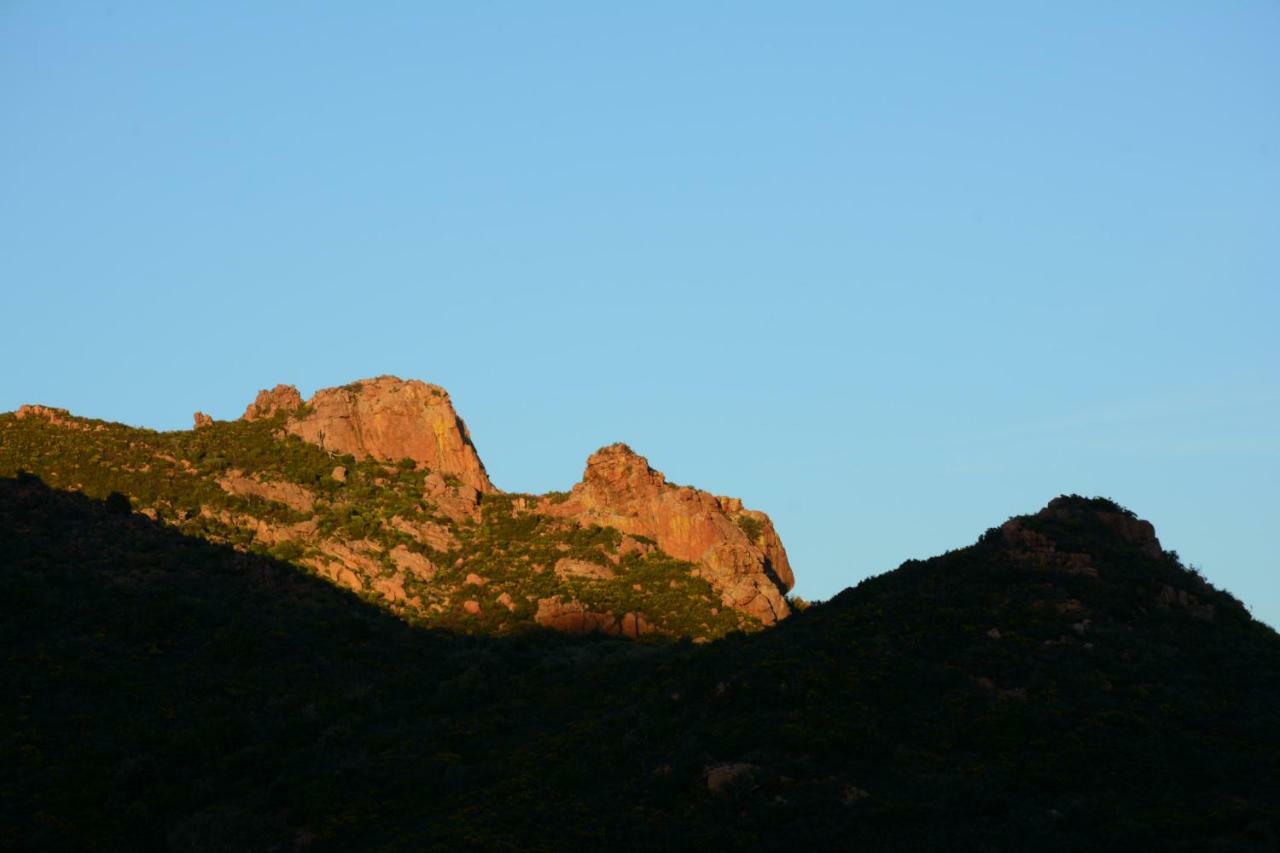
{"x": 891, "y": 272}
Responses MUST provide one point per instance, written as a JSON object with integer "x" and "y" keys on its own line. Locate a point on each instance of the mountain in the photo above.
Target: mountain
{"x": 378, "y": 487}
{"x": 1064, "y": 683}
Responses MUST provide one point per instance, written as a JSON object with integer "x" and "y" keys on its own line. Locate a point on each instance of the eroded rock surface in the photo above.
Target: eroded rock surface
{"x": 385, "y": 418}
{"x": 574, "y": 617}
{"x": 291, "y": 495}
{"x": 413, "y": 563}
{"x": 282, "y": 398}
{"x": 737, "y": 550}
{"x": 438, "y": 537}
{"x": 568, "y": 568}
{"x": 52, "y": 414}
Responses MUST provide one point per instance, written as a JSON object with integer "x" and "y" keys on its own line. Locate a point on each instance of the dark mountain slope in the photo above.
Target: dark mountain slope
{"x": 163, "y": 692}
{"x": 1062, "y": 684}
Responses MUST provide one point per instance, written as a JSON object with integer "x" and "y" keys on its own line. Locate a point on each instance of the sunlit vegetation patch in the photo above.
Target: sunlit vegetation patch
{"x": 753, "y": 527}
{"x": 174, "y": 477}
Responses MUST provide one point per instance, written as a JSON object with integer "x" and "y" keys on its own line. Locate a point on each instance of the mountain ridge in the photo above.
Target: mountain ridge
{"x": 1038, "y": 689}
{"x": 395, "y": 502}
{"x": 245, "y": 636}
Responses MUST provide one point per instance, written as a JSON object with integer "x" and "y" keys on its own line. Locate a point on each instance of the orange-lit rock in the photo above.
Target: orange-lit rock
{"x": 52, "y": 414}
{"x": 282, "y": 398}
{"x": 737, "y": 550}
{"x": 385, "y": 418}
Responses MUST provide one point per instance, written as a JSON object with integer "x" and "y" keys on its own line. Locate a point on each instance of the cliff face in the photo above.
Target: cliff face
{"x": 737, "y": 550}
{"x": 385, "y": 418}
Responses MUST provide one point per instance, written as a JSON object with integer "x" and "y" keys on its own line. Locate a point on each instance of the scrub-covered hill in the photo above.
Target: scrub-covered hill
{"x": 1063, "y": 684}
{"x": 377, "y": 487}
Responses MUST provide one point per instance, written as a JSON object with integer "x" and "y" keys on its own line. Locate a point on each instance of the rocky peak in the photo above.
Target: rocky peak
{"x": 1071, "y": 531}
{"x": 620, "y": 472}
{"x": 1123, "y": 524}
{"x": 282, "y": 398}
{"x": 384, "y": 418}
{"x": 737, "y": 550}
{"x": 52, "y": 414}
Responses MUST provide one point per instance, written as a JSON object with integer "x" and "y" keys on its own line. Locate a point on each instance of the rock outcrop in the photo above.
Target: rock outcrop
{"x": 282, "y": 398}
{"x": 566, "y": 568}
{"x": 385, "y": 418}
{"x": 736, "y": 549}
{"x": 573, "y": 617}
{"x": 52, "y": 414}
{"x": 58, "y": 417}
{"x": 454, "y": 502}
{"x": 1034, "y": 547}
{"x": 292, "y": 495}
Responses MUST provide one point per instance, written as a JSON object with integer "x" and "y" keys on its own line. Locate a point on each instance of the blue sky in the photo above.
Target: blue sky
{"x": 891, "y": 272}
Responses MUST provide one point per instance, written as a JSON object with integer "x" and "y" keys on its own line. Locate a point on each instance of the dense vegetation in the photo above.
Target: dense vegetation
{"x": 162, "y": 691}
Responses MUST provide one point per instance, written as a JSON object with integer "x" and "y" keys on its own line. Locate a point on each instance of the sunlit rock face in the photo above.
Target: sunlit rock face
{"x": 385, "y": 418}
{"x": 737, "y": 550}
{"x": 282, "y": 398}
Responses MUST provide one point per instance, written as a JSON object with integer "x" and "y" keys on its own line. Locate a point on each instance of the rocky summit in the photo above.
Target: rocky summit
{"x": 385, "y": 418}
{"x": 735, "y": 549}
{"x": 377, "y": 487}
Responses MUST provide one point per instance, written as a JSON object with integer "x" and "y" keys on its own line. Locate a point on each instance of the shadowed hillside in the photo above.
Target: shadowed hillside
{"x": 163, "y": 691}
{"x": 1063, "y": 684}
